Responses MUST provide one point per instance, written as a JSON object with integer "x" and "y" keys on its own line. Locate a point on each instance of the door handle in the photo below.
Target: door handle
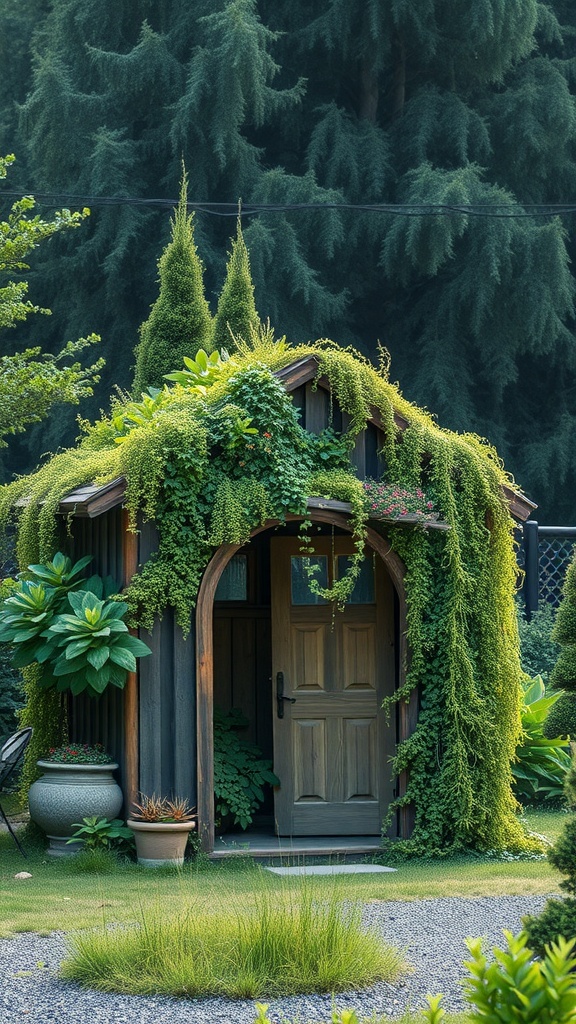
{"x": 280, "y": 698}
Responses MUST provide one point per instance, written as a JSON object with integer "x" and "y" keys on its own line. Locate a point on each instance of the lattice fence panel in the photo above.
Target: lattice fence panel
{"x": 554, "y": 555}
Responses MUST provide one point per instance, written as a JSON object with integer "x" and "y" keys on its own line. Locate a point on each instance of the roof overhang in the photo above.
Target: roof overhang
{"x": 93, "y": 500}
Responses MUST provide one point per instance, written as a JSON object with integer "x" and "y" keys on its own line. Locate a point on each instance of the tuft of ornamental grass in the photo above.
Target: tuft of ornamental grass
{"x": 280, "y": 946}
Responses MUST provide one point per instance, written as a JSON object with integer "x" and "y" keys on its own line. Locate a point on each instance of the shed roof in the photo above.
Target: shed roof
{"x": 93, "y": 500}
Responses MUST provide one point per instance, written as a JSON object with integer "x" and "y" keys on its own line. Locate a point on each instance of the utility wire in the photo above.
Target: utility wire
{"x": 58, "y": 199}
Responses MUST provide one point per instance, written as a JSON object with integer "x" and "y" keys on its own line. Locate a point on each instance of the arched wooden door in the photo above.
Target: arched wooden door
{"x": 205, "y": 663}
{"x": 331, "y": 671}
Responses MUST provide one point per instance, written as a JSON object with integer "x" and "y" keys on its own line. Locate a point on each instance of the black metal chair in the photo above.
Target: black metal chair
{"x": 10, "y": 756}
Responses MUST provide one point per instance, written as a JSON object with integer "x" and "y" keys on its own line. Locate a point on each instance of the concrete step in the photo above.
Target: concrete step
{"x": 271, "y": 849}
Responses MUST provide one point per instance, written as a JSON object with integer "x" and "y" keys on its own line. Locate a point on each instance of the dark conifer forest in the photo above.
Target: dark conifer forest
{"x": 456, "y": 116}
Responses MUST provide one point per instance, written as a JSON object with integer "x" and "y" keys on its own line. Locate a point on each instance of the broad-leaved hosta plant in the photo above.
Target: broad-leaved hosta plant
{"x": 77, "y": 637}
{"x": 94, "y": 647}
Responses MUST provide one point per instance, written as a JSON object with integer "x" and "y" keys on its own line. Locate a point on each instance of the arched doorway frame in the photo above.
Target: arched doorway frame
{"x": 205, "y": 658}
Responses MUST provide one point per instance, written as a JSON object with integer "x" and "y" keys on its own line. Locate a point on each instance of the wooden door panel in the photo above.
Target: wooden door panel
{"x": 358, "y": 662}
{"x": 309, "y": 758}
{"x": 330, "y": 745}
{"x": 360, "y": 758}
{"x": 351, "y": 818}
{"x": 308, "y": 645}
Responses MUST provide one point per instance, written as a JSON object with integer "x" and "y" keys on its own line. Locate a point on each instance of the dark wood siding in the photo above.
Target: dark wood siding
{"x": 243, "y": 652}
{"x": 167, "y": 702}
{"x": 91, "y": 719}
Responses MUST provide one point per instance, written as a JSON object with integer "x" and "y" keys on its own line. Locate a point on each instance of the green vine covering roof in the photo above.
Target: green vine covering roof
{"x": 220, "y": 450}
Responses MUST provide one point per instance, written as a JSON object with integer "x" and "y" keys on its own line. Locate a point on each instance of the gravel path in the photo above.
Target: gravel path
{"x": 431, "y": 932}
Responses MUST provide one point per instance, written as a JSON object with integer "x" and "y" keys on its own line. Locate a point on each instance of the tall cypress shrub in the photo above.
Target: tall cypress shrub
{"x": 561, "y": 719}
{"x": 180, "y": 322}
{"x": 236, "y": 316}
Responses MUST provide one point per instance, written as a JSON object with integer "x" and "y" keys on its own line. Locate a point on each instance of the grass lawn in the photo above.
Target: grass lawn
{"x": 60, "y": 896}
{"x": 57, "y": 896}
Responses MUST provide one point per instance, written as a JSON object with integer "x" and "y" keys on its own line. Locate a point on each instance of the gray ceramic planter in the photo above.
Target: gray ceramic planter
{"x": 66, "y": 793}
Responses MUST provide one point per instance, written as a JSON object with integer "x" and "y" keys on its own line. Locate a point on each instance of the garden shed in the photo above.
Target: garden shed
{"x": 400, "y": 705}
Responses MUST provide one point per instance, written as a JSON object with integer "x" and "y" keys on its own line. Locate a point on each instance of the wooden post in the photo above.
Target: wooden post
{"x": 131, "y": 760}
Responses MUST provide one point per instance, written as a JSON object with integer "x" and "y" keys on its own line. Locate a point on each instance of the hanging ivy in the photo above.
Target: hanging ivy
{"x": 209, "y": 465}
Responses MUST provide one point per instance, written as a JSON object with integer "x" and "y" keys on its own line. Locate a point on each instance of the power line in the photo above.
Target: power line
{"x": 58, "y": 199}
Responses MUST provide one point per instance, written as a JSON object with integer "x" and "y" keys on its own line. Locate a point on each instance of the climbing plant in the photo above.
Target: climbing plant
{"x": 210, "y": 464}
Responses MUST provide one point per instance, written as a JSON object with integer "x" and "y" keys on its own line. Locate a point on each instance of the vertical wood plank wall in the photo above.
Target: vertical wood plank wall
{"x": 99, "y": 720}
{"x": 167, "y": 702}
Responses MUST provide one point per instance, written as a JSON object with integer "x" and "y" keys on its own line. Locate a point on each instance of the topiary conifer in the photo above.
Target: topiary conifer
{"x": 236, "y": 316}
{"x": 180, "y": 322}
{"x": 562, "y": 716}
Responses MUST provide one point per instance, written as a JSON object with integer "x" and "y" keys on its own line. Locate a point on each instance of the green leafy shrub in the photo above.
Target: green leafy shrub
{"x": 240, "y": 771}
{"x": 538, "y": 651}
{"x": 542, "y": 763}
{"x": 102, "y": 834}
{"x": 559, "y": 916}
{"x": 561, "y": 718}
{"x": 11, "y": 695}
{"x": 91, "y": 648}
{"x": 515, "y": 989}
{"x": 85, "y": 650}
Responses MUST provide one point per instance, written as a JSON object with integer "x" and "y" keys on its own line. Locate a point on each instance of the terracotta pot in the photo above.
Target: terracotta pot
{"x": 160, "y": 843}
{"x": 65, "y": 794}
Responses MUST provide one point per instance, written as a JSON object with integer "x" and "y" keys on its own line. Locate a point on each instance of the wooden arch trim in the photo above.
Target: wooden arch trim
{"x": 205, "y": 661}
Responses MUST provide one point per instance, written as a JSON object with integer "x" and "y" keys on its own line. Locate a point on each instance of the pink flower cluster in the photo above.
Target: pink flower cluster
{"x": 393, "y": 502}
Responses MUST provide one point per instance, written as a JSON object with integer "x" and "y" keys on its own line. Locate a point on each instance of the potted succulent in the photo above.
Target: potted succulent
{"x": 77, "y": 782}
{"x": 161, "y": 829}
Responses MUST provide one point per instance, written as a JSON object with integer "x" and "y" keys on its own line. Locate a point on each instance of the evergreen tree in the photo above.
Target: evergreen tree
{"x": 562, "y": 716}
{"x": 318, "y": 104}
{"x": 236, "y": 316}
{"x": 180, "y": 322}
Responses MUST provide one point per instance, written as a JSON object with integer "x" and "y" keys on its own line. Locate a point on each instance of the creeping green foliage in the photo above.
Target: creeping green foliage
{"x": 211, "y": 463}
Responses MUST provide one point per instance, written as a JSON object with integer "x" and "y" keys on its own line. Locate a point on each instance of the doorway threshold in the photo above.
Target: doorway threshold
{"x": 269, "y": 848}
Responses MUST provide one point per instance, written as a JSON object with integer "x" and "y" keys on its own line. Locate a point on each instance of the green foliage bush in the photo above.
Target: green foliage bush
{"x": 558, "y": 917}
{"x": 236, "y": 316}
{"x": 515, "y": 989}
{"x": 538, "y": 652}
{"x": 542, "y": 762}
{"x": 11, "y": 695}
{"x": 561, "y": 719}
{"x": 240, "y": 771}
{"x": 86, "y": 650}
{"x": 180, "y": 322}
